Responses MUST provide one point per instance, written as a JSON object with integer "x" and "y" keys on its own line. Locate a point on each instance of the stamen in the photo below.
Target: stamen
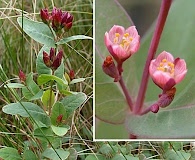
{"x": 164, "y": 60}
{"x": 126, "y": 35}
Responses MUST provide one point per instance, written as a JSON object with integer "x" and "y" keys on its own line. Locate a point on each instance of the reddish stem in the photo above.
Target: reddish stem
{"x": 165, "y": 6}
{"x": 126, "y": 93}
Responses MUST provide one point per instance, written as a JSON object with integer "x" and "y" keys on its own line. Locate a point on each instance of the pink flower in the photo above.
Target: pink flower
{"x": 122, "y": 43}
{"x": 167, "y": 71}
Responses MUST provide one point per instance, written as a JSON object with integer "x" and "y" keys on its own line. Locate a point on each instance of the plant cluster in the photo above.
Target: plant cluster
{"x": 45, "y": 102}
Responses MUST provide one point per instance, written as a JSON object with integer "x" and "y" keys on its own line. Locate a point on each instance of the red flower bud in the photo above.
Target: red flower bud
{"x": 52, "y": 54}
{"x": 67, "y": 19}
{"x": 71, "y": 74}
{"x": 59, "y": 118}
{"x": 57, "y": 61}
{"x": 56, "y": 18}
{"x": 110, "y": 69}
{"x": 22, "y": 76}
{"x": 44, "y": 15}
{"x": 46, "y": 59}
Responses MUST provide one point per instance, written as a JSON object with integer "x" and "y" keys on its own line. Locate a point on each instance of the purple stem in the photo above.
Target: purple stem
{"x": 125, "y": 91}
{"x": 164, "y": 9}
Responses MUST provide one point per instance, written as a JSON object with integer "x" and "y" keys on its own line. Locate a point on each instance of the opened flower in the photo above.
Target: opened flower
{"x": 167, "y": 71}
{"x": 122, "y": 43}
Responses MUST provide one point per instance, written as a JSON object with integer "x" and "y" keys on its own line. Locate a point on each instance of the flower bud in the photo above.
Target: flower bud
{"x": 66, "y": 22}
{"x": 46, "y": 59}
{"x": 22, "y": 76}
{"x": 110, "y": 69}
{"x": 57, "y": 61}
{"x": 45, "y": 15}
{"x": 71, "y": 74}
{"x": 59, "y": 118}
{"x": 166, "y": 98}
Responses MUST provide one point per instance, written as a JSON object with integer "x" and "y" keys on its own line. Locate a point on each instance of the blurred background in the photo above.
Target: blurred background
{"x": 142, "y": 12}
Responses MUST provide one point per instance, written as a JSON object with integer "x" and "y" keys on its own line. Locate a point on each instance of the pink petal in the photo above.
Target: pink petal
{"x": 120, "y": 53}
{"x": 180, "y": 77}
{"x": 116, "y": 29}
{"x": 180, "y": 66}
{"x": 134, "y": 46}
{"x": 152, "y": 67}
{"x": 164, "y": 55}
{"x": 160, "y": 78}
{"x": 132, "y": 31}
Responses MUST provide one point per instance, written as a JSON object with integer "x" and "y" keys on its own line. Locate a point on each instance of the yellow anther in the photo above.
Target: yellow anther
{"x": 131, "y": 38}
{"x": 126, "y": 35}
{"x": 117, "y": 35}
{"x": 161, "y": 64}
{"x": 164, "y": 60}
{"x": 161, "y": 69}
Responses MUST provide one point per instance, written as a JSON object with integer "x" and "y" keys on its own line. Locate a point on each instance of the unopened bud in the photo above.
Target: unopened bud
{"x": 59, "y": 118}
{"x": 44, "y": 15}
{"x": 110, "y": 69}
{"x": 46, "y": 59}
{"x": 166, "y": 98}
{"x": 22, "y": 76}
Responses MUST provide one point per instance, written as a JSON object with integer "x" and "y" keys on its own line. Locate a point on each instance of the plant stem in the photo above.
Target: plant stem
{"x": 127, "y": 95}
{"x": 164, "y": 9}
{"x": 50, "y": 95}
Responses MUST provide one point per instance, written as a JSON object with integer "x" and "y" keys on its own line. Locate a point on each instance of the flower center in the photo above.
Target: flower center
{"x": 166, "y": 66}
{"x": 125, "y": 41}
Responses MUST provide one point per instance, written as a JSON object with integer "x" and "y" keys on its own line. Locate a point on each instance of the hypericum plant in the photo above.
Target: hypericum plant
{"x": 46, "y": 102}
{"x": 146, "y": 111}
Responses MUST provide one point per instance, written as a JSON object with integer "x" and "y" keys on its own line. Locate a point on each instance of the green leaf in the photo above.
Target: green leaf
{"x": 5, "y": 154}
{"x": 29, "y": 155}
{"x": 73, "y": 154}
{"x": 178, "y": 155}
{"x": 14, "y": 85}
{"x": 95, "y": 157}
{"x": 27, "y": 109}
{"x": 48, "y": 97}
{"x": 72, "y": 38}
{"x": 72, "y": 102}
{"x": 57, "y": 110}
{"x": 45, "y": 134}
{"x": 175, "y": 121}
{"x": 60, "y": 131}
{"x": 32, "y": 90}
{"x": 121, "y": 157}
{"x": 77, "y": 80}
{"x": 44, "y": 78}
{"x": 38, "y": 31}
{"x": 51, "y": 154}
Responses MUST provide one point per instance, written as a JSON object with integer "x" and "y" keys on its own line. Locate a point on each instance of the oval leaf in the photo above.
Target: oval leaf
{"x": 27, "y": 109}
{"x": 38, "y": 31}
{"x": 58, "y": 154}
{"x": 72, "y": 102}
{"x": 60, "y": 131}
{"x": 5, "y": 154}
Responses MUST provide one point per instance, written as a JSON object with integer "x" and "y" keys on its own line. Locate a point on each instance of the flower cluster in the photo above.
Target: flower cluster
{"x": 121, "y": 43}
{"x": 52, "y": 60}
{"x": 57, "y": 18}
